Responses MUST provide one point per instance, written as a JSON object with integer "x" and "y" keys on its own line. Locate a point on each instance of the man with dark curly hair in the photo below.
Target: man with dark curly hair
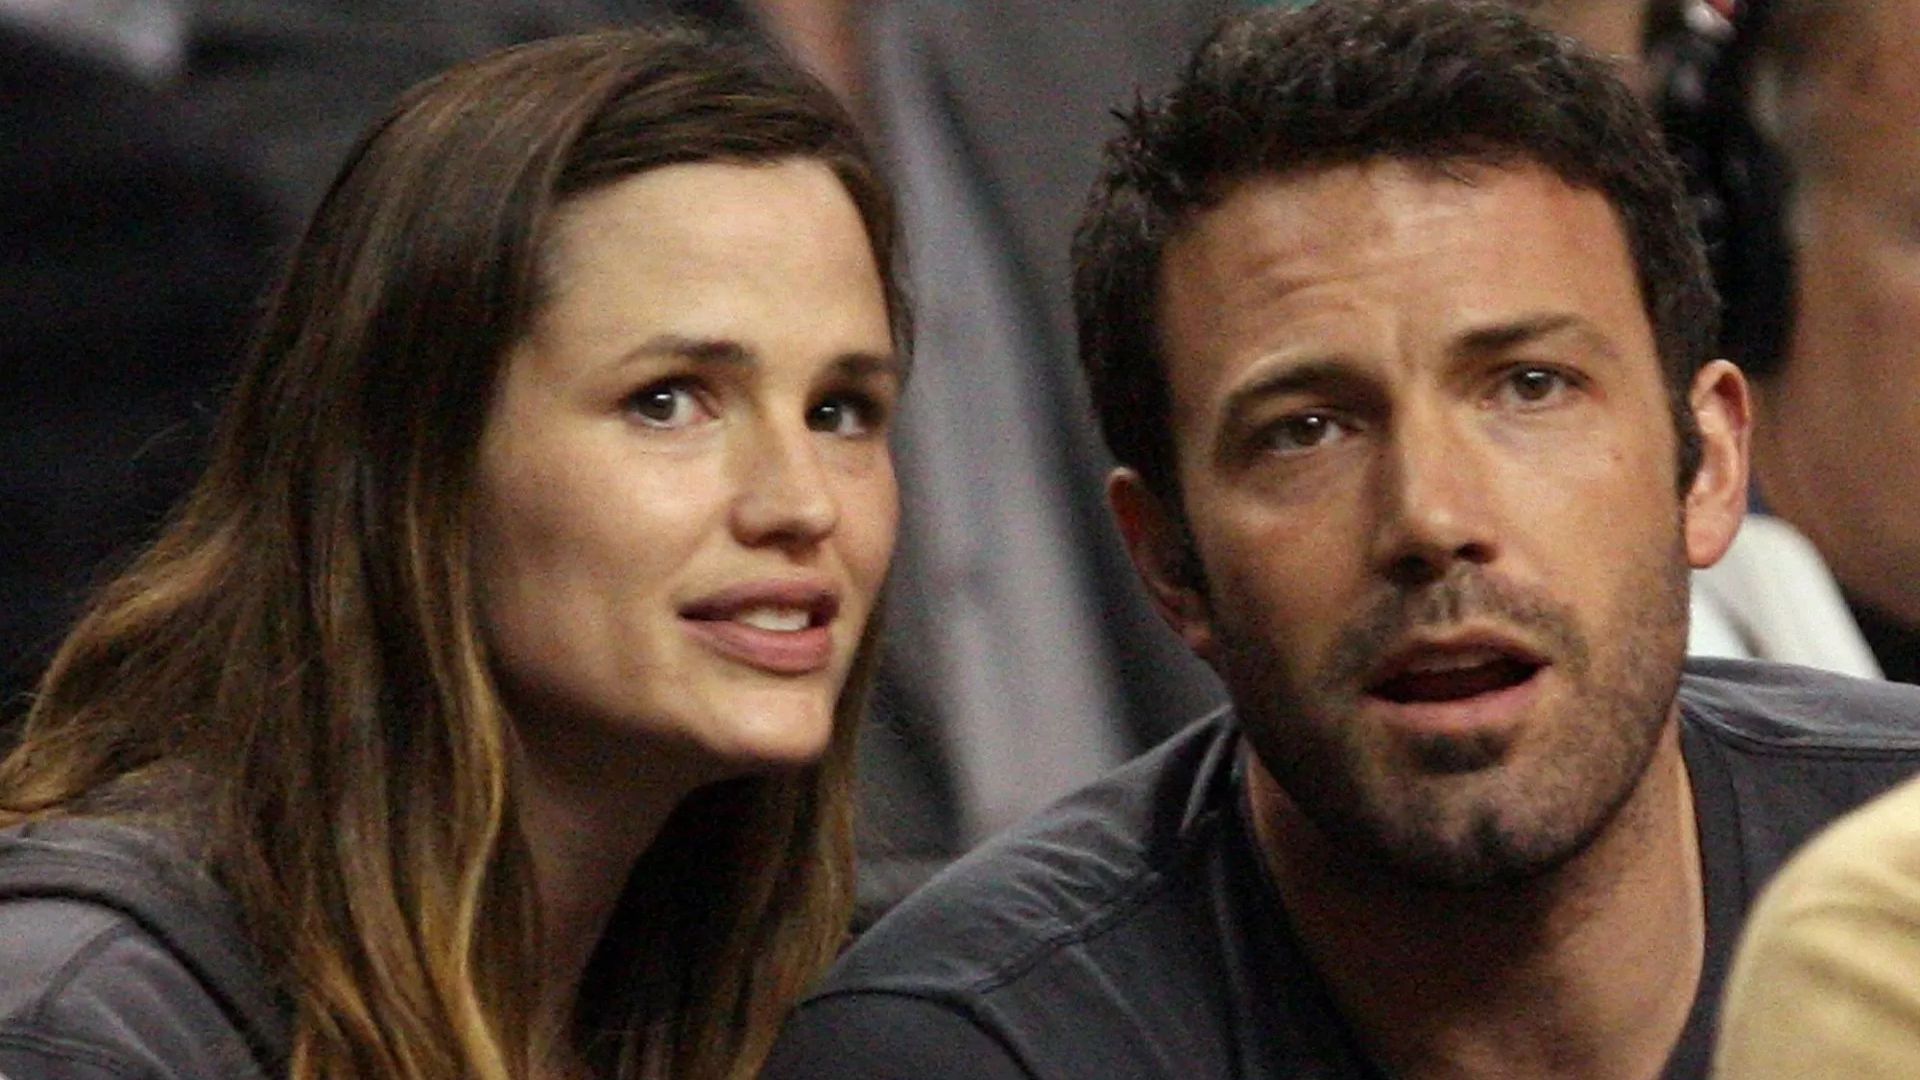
{"x": 1397, "y": 323}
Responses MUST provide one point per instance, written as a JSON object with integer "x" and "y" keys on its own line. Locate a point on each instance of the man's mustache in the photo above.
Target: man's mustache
{"x": 1464, "y": 594}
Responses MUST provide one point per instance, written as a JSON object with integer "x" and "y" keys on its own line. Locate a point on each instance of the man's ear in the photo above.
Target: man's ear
{"x": 1164, "y": 558}
{"x": 1717, "y": 498}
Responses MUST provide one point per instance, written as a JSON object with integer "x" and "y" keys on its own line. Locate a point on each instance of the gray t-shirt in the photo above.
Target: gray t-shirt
{"x": 1131, "y": 930}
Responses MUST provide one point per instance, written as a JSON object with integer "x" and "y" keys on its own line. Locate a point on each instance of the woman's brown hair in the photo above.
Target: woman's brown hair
{"x": 295, "y": 670}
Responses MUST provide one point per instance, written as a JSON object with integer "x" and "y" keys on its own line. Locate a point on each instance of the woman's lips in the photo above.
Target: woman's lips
{"x": 784, "y": 628}
{"x": 781, "y": 652}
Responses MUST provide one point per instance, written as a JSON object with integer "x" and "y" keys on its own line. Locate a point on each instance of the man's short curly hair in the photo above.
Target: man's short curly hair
{"x": 1344, "y": 82}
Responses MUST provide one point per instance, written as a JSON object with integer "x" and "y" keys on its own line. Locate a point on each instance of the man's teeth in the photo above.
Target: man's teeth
{"x": 778, "y": 619}
{"x": 1452, "y": 661}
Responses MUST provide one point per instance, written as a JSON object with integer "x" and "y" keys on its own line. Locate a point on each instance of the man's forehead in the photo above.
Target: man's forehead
{"x": 1265, "y": 235}
{"x": 1392, "y": 263}
{"x": 1303, "y": 202}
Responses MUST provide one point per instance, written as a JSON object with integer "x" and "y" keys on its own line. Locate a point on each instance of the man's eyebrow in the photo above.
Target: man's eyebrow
{"x": 1319, "y": 373}
{"x": 1507, "y": 335}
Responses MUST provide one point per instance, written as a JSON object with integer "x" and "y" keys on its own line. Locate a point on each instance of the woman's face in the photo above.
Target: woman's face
{"x": 686, "y": 503}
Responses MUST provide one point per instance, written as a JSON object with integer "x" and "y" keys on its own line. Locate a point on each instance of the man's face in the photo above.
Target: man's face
{"x": 1427, "y": 470}
{"x": 1836, "y": 449}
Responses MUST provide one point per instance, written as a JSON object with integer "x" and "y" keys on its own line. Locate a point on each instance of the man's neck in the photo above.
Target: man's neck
{"x": 1587, "y": 972}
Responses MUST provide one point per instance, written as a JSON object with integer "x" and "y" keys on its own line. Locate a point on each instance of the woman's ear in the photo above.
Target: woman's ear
{"x": 1716, "y": 500}
{"x": 1163, "y": 556}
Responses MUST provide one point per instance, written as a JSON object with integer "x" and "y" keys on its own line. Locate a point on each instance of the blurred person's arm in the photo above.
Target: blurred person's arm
{"x": 1827, "y": 979}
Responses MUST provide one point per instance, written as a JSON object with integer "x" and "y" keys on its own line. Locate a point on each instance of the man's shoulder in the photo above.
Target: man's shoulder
{"x": 1777, "y": 752}
{"x": 1062, "y": 878}
{"x": 1761, "y": 709}
{"x": 1095, "y": 940}
{"x": 113, "y": 962}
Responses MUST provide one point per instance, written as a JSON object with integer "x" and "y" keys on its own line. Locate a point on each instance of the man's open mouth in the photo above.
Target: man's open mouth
{"x": 1441, "y": 674}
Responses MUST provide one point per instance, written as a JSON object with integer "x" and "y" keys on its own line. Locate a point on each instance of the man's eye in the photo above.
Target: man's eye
{"x": 1535, "y": 385}
{"x": 666, "y": 405}
{"x": 1306, "y": 431}
{"x": 847, "y": 415}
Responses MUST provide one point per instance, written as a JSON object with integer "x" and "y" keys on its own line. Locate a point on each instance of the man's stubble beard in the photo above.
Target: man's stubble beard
{"x": 1461, "y": 812}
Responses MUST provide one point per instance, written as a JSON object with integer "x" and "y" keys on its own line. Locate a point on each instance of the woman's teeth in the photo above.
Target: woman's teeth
{"x": 776, "y": 619}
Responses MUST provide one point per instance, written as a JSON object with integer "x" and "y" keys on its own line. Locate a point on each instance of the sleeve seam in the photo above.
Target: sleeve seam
{"x": 82, "y": 956}
{"x": 44, "y": 1044}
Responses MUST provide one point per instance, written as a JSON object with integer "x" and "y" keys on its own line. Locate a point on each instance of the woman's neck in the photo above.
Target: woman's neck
{"x": 585, "y": 827}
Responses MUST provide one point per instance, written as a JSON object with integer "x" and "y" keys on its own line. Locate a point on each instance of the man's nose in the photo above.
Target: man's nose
{"x": 783, "y": 497}
{"x": 1435, "y": 504}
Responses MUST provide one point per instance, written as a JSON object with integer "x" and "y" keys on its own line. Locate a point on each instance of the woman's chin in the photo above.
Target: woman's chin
{"x": 770, "y": 732}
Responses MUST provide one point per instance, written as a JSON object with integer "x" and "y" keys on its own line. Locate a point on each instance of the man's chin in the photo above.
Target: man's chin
{"x": 1457, "y": 755}
{"x": 1463, "y": 831}
{"x": 1485, "y": 857}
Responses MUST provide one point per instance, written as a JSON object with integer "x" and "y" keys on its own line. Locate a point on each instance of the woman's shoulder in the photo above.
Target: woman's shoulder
{"x": 120, "y": 957}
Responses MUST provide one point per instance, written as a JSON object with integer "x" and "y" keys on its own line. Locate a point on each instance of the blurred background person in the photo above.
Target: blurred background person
{"x": 1024, "y": 659}
{"x": 295, "y": 82}
{"x": 488, "y": 710}
{"x": 1802, "y": 120}
{"x": 133, "y": 242}
{"x": 1633, "y": 32}
{"x": 1806, "y": 124}
{"x": 1826, "y": 981}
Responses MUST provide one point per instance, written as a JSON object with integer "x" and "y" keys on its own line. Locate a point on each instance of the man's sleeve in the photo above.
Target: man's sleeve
{"x": 880, "y": 1036}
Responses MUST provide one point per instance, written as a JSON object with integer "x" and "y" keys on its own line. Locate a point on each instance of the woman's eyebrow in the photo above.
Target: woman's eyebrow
{"x": 863, "y": 365}
{"x": 703, "y": 350}
{"x": 727, "y": 352}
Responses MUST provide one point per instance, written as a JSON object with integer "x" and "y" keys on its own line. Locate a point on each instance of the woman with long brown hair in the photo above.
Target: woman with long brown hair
{"x": 487, "y": 710}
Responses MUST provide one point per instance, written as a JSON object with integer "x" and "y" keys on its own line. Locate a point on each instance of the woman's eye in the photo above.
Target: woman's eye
{"x": 666, "y": 405}
{"x": 1535, "y": 385}
{"x": 848, "y": 416}
{"x": 1296, "y": 434}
